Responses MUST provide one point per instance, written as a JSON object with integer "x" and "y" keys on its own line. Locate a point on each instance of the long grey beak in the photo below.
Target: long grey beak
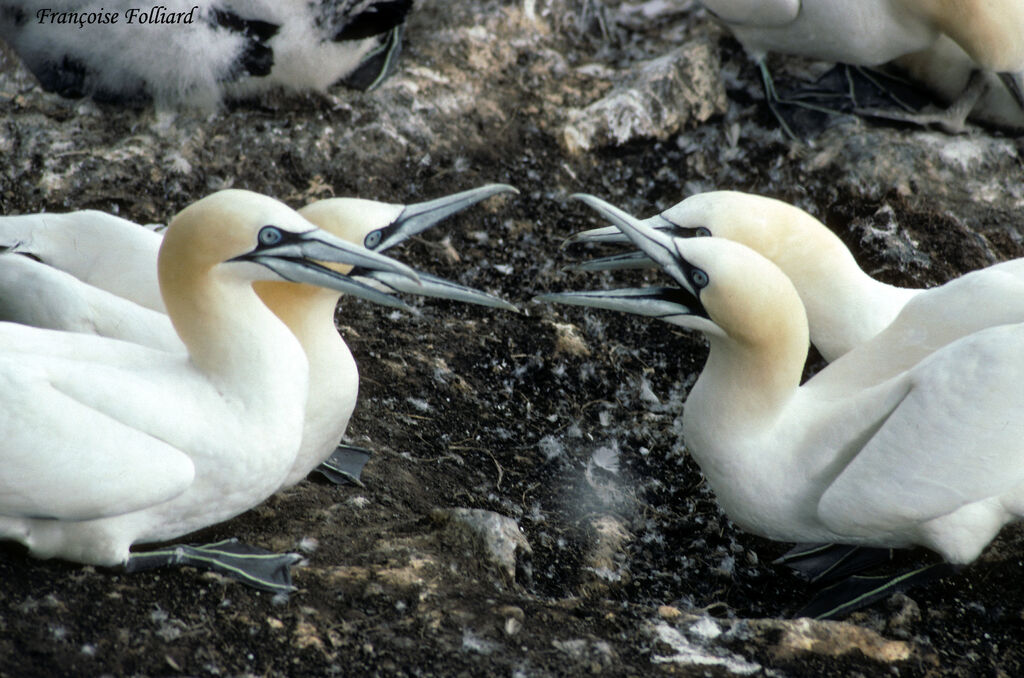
{"x": 320, "y": 245}
{"x": 295, "y": 257}
{"x": 664, "y": 303}
{"x": 611, "y": 234}
{"x": 616, "y": 262}
{"x": 656, "y": 244}
{"x": 439, "y": 288}
{"x": 420, "y": 216}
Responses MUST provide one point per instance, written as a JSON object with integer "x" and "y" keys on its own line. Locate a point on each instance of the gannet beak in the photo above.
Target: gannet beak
{"x": 294, "y": 257}
{"x": 439, "y": 288}
{"x": 319, "y": 245}
{"x": 611, "y": 234}
{"x": 664, "y": 303}
{"x": 616, "y": 262}
{"x": 418, "y": 217}
{"x": 655, "y": 243}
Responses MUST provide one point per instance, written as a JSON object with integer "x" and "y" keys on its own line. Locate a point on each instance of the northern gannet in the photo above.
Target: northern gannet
{"x": 873, "y": 32}
{"x": 930, "y": 456}
{"x": 108, "y": 443}
{"x": 71, "y": 283}
{"x": 197, "y": 53}
{"x": 844, "y": 305}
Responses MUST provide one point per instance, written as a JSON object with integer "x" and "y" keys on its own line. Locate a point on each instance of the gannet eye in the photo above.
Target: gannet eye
{"x": 372, "y": 240}
{"x": 270, "y": 235}
{"x": 702, "y": 232}
{"x": 699, "y": 278}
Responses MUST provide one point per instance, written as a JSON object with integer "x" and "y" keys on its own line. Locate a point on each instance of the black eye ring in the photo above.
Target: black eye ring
{"x": 703, "y": 232}
{"x": 270, "y": 236}
{"x": 699, "y": 278}
{"x": 373, "y": 239}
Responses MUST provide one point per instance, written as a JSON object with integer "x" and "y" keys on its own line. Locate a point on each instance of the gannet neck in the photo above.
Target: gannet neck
{"x": 757, "y": 331}
{"x": 334, "y": 377}
{"x": 844, "y": 305}
{"x": 227, "y": 330}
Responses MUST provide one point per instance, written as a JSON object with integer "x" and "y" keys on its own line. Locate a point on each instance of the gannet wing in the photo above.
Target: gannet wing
{"x": 105, "y": 251}
{"x": 956, "y": 438}
{"x": 761, "y": 13}
{"x": 62, "y": 459}
{"x": 35, "y": 294}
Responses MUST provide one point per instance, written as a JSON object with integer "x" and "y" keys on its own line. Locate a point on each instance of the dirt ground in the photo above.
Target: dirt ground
{"x": 563, "y": 420}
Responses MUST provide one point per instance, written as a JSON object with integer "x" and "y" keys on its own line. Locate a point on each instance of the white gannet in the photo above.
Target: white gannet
{"x": 930, "y": 456}
{"x": 845, "y": 306}
{"x": 94, "y": 457}
{"x": 92, "y": 245}
{"x": 197, "y": 53}
{"x": 873, "y": 32}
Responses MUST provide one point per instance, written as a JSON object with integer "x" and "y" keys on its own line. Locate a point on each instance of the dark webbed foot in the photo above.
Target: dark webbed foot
{"x": 827, "y": 563}
{"x": 856, "y": 592}
{"x": 256, "y": 567}
{"x": 345, "y": 466}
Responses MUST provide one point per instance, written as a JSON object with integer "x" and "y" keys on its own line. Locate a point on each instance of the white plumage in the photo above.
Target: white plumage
{"x": 844, "y": 305}
{"x": 77, "y": 285}
{"x": 873, "y": 32}
{"x": 929, "y": 456}
{"x": 108, "y": 443}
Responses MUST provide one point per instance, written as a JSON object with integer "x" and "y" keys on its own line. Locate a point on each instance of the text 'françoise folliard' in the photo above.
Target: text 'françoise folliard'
{"x": 132, "y": 15}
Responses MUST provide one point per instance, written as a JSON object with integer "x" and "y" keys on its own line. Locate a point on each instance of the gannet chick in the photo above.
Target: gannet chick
{"x": 198, "y": 53}
{"x": 873, "y": 32}
{"x": 844, "y": 305}
{"x": 880, "y": 466}
{"x": 91, "y": 245}
{"x": 94, "y": 458}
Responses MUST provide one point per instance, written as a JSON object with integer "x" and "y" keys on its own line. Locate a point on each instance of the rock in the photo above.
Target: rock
{"x": 683, "y": 648}
{"x": 605, "y": 561}
{"x": 485, "y": 533}
{"x": 830, "y": 639}
{"x": 653, "y": 100}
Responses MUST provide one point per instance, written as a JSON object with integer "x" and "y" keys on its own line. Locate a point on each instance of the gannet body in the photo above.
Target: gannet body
{"x": 844, "y": 305}
{"x": 869, "y": 32}
{"x": 873, "y": 32}
{"x": 197, "y": 53}
{"x": 95, "y": 460}
{"x": 54, "y": 299}
{"x": 930, "y": 456}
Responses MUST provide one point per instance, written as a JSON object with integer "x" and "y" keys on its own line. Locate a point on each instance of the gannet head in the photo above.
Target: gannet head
{"x": 379, "y": 226}
{"x": 725, "y": 289}
{"x": 246, "y": 236}
{"x": 773, "y": 228}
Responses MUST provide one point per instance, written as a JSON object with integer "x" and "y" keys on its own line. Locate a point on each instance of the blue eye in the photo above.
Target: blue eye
{"x": 270, "y": 235}
{"x": 703, "y": 232}
{"x": 372, "y": 240}
{"x": 699, "y": 278}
